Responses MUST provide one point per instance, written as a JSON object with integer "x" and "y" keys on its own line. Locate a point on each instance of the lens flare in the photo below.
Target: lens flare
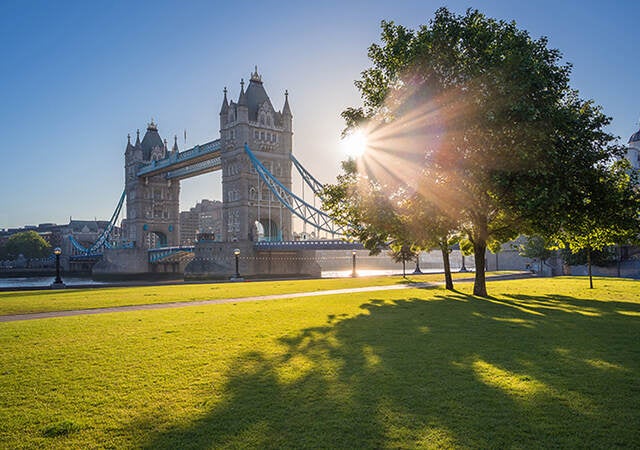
{"x": 355, "y": 144}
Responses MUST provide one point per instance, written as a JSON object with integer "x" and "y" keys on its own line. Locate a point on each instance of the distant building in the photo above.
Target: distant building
{"x": 633, "y": 150}
{"x": 205, "y": 217}
{"x": 86, "y": 232}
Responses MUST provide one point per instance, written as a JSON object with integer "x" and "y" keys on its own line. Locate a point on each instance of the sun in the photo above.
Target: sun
{"x": 355, "y": 144}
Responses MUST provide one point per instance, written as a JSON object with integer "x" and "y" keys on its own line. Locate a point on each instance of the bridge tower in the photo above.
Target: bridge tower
{"x": 246, "y": 200}
{"x": 153, "y": 213}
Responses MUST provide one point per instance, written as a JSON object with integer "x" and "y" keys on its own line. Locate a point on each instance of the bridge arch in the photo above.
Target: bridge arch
{"x": 271, "y": 230}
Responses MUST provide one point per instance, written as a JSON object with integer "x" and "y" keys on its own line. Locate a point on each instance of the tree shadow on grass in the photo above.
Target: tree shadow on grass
{"x": 454, "y": 370}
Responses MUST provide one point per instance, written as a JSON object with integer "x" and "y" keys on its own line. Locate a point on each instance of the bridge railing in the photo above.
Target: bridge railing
{"x": 320, "y": 244}
{"x": 202, "y": 166}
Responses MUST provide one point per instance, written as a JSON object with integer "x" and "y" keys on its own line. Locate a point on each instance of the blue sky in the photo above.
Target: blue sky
{"x": 78, "y": 76}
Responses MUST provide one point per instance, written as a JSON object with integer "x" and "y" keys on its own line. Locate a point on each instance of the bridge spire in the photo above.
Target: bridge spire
{"x": 129, "y": 146}
{"x": 255, "y": 76}
{"x": 225, "y": 103}
{"x": 175, "y": 144}
{"x": 242, "y": 100}
{"x": 138, "y": 137}
{"x": 286, "y": 110}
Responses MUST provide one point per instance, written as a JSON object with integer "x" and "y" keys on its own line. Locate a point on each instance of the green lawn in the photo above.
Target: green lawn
{"x": 21, "y": 302}
{"x": 544, "y": 363}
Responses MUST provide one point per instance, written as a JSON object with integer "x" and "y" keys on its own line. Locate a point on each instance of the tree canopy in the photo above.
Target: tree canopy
{"x": 479, "y": 119}
{"x": 609, "y": 214}
{"x": 28, "y": 243}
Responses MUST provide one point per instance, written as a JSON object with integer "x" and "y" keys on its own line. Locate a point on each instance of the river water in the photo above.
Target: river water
{"x": 19, "y": 282}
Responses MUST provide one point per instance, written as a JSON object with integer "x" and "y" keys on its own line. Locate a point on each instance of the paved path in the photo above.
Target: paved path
{"x": 82, "y": 312}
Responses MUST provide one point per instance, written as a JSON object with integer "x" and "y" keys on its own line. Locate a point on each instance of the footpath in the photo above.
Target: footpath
{"x": 115, "y": 309}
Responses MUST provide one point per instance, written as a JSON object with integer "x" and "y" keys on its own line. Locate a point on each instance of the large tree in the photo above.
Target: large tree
{"x": 479, "y": 117}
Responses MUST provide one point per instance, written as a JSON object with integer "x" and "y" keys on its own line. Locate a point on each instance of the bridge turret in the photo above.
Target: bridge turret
{"x": 152, "y": 144}
{"x": 152, "y": 201}
{"x": 243, "y": 108}
{"x": 224, "y": 110}
{"x": 255, "y": 122}
{"x": 286, "y": 110}
{"x": 287, "y": 125}
{"x": 129, "y": 149}
{"x": 174, "y": 150}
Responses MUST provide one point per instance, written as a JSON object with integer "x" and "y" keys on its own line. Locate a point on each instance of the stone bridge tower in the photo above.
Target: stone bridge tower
{"x": 246, "y": 200}
{"x": 153, "y": 212}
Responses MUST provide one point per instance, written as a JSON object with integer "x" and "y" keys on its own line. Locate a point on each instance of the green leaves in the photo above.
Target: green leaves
{"x": 475, "y": 127}
{"x": 28, "y": 243}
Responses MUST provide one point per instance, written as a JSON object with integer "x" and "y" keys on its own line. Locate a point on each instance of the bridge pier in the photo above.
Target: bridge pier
{"x": 122, "y": 262}
{"x": 217, "y": 260}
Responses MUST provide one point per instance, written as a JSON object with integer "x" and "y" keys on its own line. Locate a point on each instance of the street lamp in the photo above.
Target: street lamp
{"x": 463, "y": 268}
{"x": 417, "y": 270}
{"x": 353, "y": 270}
{"x": 58, "y": 281}
{"x": 236, "y": 253}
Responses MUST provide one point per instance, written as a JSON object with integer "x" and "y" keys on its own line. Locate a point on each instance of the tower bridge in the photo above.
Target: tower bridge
{"x": 254, "y": 152}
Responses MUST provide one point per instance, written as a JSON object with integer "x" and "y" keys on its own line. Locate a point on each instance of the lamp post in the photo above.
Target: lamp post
{"x": 58, "y": 281}
{"x": 417, "y": 270}
{"x": 463, "y": 268}
{"x": 353, "y": 270}
{"x": 236, "y": 253}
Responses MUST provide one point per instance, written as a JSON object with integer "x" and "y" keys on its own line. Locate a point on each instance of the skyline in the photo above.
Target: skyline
{"x": 84, "y": 76}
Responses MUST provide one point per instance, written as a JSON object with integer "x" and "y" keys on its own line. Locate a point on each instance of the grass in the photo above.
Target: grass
{"x": 23, "y": 302}
{"x": 543, "y": 363}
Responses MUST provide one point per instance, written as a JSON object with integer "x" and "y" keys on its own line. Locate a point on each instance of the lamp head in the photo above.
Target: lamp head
{"x": 57, "y": 251}
{"x": 353, "y": 252}
{"x": 236, "y": 251}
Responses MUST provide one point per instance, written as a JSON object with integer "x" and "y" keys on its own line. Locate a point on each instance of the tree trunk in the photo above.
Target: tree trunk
{"x": 480, "y": 282}
{"x": 448, "y": 279}
{"x": 404, "y": 272}
{"x": 541, "y": 262}
{"x": 589, "y": 266}
{"x": 619, "y": 258}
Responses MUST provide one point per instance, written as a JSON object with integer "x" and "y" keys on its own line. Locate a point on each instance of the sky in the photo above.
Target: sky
{"x": 77, "y": 77}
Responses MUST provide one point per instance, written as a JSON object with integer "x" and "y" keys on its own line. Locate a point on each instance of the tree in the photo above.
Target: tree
{"x": 610, "y": 214}
{"x": 402, "y": 252}
{"x": 483, "y": 118}
{"x": 28, "y": 243}
{"x": 430, "y": 228}
{"x": 378, "y": 212}
{"x": 536, "y": 247}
